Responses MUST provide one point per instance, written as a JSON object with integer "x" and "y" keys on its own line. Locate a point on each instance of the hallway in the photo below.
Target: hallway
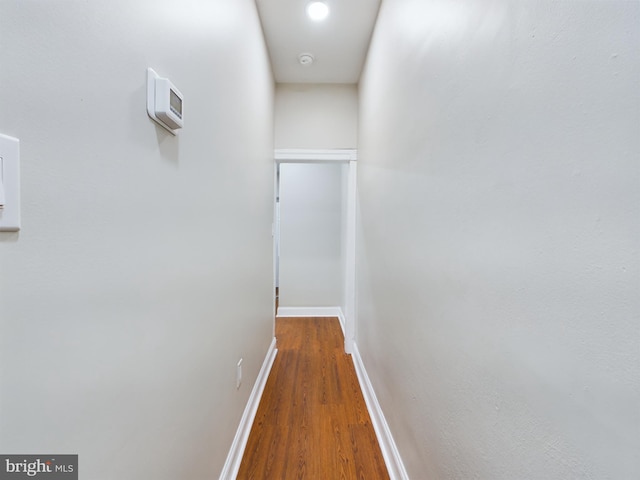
{"x": 491, "y": 307}
{"x": 312, "y": 421}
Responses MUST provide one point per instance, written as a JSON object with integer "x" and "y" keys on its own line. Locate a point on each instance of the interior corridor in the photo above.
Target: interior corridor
{"x": 488, "y": 285}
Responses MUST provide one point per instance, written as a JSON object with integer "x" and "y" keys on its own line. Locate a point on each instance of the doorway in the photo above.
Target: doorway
{"x": 314, "y": 235}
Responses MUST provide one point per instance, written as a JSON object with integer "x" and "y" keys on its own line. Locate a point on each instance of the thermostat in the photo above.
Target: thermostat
{"x": 164, "y": 102}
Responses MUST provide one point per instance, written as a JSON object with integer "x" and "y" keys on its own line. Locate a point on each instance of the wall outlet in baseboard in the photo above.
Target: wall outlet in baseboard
{"x": 239, "y": 374}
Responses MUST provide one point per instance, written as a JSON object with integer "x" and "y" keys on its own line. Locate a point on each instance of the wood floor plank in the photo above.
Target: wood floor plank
{"x": 312, "y": 421}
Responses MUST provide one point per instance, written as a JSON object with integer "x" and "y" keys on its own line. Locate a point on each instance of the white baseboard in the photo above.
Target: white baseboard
{"x": 342, "y": 319}
{"x": 312, "y": 312}
{"x": 234, "y": 458}
{"x": 390, "y": 452}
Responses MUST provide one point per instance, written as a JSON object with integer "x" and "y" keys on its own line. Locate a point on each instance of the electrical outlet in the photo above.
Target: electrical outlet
{"x": 239, "y": 374}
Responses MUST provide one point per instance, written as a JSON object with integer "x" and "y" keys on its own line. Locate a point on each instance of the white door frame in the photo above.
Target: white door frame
{"x": 350, "y": 157}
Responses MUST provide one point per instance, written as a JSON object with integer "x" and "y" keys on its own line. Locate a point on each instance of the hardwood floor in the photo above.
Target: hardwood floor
{"x": 312, "y": 422}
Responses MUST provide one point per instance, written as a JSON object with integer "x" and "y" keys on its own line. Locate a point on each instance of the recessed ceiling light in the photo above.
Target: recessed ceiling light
{"x": 317, "y": 10}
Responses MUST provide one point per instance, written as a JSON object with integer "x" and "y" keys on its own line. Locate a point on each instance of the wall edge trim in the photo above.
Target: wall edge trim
{"x": 300, "y": 155}
{"x": 390, "y": 452}
{"x": 236, "y": 452}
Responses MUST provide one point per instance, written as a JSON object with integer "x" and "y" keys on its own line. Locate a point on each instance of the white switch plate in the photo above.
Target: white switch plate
{"x": 10, "y": 176}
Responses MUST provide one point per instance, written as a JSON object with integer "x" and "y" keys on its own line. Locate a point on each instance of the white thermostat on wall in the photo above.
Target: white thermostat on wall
{"x": 164, "y": 102}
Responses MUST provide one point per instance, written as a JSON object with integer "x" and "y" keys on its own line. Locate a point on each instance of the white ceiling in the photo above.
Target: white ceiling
{"x": 339, "y": 43}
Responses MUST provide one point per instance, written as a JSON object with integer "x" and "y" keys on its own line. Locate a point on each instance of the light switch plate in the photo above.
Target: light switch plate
{"x": 10, "y": 176}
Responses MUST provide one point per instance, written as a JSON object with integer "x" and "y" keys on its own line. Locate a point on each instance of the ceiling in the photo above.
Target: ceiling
{"x": 338, "y": 44}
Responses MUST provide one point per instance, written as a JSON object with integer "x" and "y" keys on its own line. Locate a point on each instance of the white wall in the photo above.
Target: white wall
{"x": 143, "y": 270}
{"x": 312, "y": 262}
{"x": 316, "y": 116}
{"x": 499, "y": 236}
{"x": 312, "y": 211}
